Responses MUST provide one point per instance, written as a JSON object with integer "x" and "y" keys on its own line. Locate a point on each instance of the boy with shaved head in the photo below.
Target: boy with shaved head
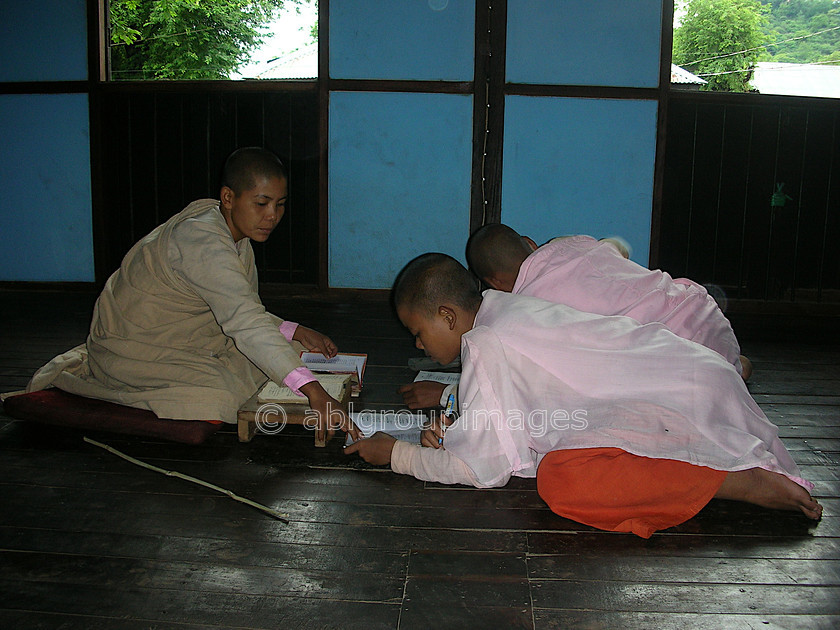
{"x": 626, "y": 427}
{"x": 597, "y": 277}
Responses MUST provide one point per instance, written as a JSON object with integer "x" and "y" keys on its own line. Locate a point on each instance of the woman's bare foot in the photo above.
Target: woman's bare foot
{"x": 746, "y": 368}
{"x": 768, "y": 489}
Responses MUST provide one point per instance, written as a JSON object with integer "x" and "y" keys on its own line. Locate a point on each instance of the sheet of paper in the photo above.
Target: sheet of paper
{"x": 403, "y": 425}
{"x": 272, "y": 392}
{"x": 339, "y": 363}
{"x": 448, "y": 378}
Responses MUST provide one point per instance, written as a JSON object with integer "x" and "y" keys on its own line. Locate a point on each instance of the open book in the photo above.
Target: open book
{"x": 447, "y": 378}
{"x": 342, "y": 363}
{"x": 332, "y": 383}
{"x": 403, "y": 424}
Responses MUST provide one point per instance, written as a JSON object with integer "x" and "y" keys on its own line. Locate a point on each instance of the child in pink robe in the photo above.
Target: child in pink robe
{"x": 544, "y": 385}
{"x": 595, "y": 277}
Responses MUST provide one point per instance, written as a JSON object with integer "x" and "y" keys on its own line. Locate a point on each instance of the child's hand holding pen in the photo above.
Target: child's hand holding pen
{"x": 433, "y": 436}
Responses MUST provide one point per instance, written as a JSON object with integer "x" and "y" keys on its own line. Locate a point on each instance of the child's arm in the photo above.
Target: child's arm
{"x": 432, "y": 464}
{"x": 422, "y": 394}
{"x": 427, "y": 394}
{"x": 427, "y": 464}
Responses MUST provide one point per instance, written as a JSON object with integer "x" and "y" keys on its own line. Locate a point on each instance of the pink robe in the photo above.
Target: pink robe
{"x": 539, "y": 377}
{"x": 592, "y": 276}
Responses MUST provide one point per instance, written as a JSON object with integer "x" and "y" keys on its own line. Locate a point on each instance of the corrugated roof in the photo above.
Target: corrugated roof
{"x": 297, "y": 64}
{"x": 684, "y": 77}
{"x": 797, "y": 79}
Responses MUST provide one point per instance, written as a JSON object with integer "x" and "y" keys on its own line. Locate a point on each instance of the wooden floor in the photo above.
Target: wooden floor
{"x": 88, "y": 540}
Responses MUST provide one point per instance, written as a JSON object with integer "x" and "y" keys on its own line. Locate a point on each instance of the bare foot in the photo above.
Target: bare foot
{"x": 768, "y": 489}
{"x": 746, "y": 368}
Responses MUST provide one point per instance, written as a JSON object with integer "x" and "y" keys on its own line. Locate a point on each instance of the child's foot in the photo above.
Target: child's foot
{"x": 768, "y": 489}
{"x": 746, "y": 368}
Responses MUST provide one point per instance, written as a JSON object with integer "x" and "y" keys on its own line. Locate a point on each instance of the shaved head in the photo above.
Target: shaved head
{"x": 496, "y": 250}
{"x": 244, "y": 166}
{"x": 432, "y": 280}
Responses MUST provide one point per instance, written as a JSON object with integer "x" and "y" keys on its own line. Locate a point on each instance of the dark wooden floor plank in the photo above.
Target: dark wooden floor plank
{"x": 205, "y": 576}
{"x": 687, "y": 598}
{"x": 205, "y": 609}
{"x": 778, "y": 571}
{"x": 444, "y": 591}
{"x": 36, "y": 620}
{"x": 664, "y": 545}
{"x": 422, "y": 611}
{"x": 186, "y": 548}
{"x": 608, "y": 620}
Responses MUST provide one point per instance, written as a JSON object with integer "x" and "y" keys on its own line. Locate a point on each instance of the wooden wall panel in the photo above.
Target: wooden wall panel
{"x": 164, "y": 147}
{"x": 726, "y": 156}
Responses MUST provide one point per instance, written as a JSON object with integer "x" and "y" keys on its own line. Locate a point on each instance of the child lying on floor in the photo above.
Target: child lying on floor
{"x": 594, "y": 277}
{"x": 627, "y": 427}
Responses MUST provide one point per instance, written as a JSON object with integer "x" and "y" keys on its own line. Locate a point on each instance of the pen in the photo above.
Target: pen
{"x": 449, "y": 411}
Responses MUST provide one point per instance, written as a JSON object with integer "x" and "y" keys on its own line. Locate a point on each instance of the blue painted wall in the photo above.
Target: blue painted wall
{"x": 399, "y": 169}
{"x": 45, "y": 220}
{"x": 399, "y": 163}
{"x": 580, "y": 166}
{"x": 402, "y": 39}
{"x": 584, "y": 42}
{"x": 43, "y": 41}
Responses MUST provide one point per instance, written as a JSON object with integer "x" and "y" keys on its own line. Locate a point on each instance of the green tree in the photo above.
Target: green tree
{"x": 721, "y": 41}
{"x": 185, "y": 39}
{"x": 808, "y": 31}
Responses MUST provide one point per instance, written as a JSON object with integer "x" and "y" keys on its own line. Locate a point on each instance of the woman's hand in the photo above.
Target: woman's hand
{"x": 329, "y": 414}
{"x": 314, "y": 341}
{"x": 374, "y": 450}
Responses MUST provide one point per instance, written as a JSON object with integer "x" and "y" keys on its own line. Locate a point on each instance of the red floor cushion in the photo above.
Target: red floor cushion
{"x": 59, "y": 408}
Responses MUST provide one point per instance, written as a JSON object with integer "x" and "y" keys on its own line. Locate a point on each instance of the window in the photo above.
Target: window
{"x": 173, "y": 40}
{"x": 778, "y": 47}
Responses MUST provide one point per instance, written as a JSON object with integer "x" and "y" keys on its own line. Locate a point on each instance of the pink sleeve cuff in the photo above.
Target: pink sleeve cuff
{"x": 297, "y": 378}
{"x": 287, "y": 329}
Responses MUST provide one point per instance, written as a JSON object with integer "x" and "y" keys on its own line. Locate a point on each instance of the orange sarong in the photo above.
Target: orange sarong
{"x": 612, "y": 489}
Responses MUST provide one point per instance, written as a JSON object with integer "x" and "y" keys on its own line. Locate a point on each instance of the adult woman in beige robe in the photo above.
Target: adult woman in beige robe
{"x": 179, "y": 328}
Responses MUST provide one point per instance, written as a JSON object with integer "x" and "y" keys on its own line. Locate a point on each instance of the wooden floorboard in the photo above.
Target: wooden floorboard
{"x": 88, "y": 540}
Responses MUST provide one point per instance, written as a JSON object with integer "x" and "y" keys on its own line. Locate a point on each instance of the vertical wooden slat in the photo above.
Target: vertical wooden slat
{"x": 769, "y": 260}
{"x": 488, "y": 112}
{"x": 729, "y": 225}
{"x": 323, "y": 141}
{"x": 814, "y": 191}
{"x": 665, "y": 53}
{"x": 716, "y": 238}
{"x": 274, "y": 260}
{"x": 303, "y": 247}
{"x": 800, "y": 201}
{"x": 169, "y": 174}
{"x": 828, "y": 210}
{"x": 198, "y": 179}
{"x": 744, "y": 226}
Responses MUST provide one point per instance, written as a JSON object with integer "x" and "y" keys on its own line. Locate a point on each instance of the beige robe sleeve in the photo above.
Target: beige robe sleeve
{"x": 222, "y": 273}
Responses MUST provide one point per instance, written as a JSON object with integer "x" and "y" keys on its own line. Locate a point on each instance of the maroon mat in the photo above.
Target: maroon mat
{"x": 57, "y": 407}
